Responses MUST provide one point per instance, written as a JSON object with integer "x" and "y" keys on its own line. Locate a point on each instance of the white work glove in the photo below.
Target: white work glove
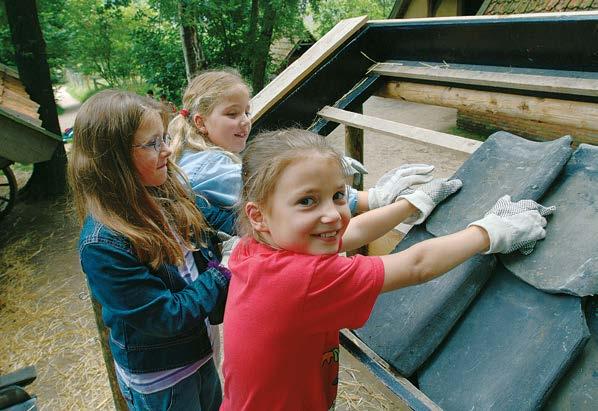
{"x": 353, "y": 166}
{"x": 514, "y": 226}
{"x": 395, "y": 181}
{"x": 227, "y": 247}
{"x": 428, "y": 196}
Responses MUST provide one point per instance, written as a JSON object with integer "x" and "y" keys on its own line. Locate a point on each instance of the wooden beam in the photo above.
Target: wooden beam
{"x": 33, "y": 120}
{"x": 399, "y": 130}
{"x": 399, "y": 385}
{"x": 352, "y": 99}
{"x": 119, "y": 401}
{"x": 515, "y": 81}
{"x": 304, "y": 65}
{"x": 547, "y": 110}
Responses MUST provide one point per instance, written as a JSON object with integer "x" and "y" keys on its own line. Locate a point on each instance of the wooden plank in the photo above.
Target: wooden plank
{"x": 487, "y": 123}
{"x": 15, "y": 83}
{"x": 399, "y": 130}
{"x": 353, "y": 98}
{"x": 398, "y": 384}
{"x": 120, "y": 404}
{"x": 32, "y": 120}
{"x": 10, "y": 71}
{"x": 551, "y": 84}
{"x": 13, "y": 106}
{"x": 548, "y": 110}
{"x": 24, "y": 143}
{"x": 20, "y": 100}
{"x": 304, "y": 65}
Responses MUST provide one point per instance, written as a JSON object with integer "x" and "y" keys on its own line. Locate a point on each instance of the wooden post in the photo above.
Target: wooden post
{"x": 354, "y": 149}
{"x": 119, "y": 402}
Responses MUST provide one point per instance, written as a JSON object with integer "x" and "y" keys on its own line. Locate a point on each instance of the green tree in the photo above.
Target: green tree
{"x": 329, "y": 12}
{"x": 101, "y": 39}
{"x": 156, "y": 46}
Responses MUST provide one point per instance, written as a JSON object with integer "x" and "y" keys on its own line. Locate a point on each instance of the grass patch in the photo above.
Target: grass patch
{"x": 22, "y": 167}
{"x": 83, "y": 93}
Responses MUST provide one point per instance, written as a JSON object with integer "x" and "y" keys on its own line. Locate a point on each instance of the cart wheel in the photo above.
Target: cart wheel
{"x": 8, "y": 191}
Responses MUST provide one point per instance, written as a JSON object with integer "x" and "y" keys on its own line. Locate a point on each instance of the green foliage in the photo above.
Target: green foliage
{"x": 329, "y": 12}
{"x": 101, "y": 40}
{"x": 156, "y": 45}
{"x": 7, "y": 52}
{"x": 57, "y": 34}
{"x": 136, "y": 44}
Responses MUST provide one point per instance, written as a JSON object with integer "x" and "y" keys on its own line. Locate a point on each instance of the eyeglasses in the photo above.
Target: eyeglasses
{"x": 157, "y": 143}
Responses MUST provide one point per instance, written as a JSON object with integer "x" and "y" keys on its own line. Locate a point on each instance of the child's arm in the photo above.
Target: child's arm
{"x": 431, "y": 258}
{"x": 505, "y": 228}
{"x": 142, "y": 299}
{"x": 417, "y": 204}
{"x": 373, "y": 224}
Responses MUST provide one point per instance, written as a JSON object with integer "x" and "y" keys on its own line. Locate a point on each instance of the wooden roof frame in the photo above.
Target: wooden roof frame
{"x": 339, "y": 60}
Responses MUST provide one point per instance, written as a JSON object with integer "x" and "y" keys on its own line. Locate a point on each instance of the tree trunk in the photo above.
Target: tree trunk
{"x": 192, "y": 50}
{"x": 252, "y": 31}
{"x": 262, "y": 49}
{"x": 49, "y": 178}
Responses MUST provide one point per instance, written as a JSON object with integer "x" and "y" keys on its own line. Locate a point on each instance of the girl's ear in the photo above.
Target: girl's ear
{"x": 199, "y": 123}
{"x": 256, "y": 217}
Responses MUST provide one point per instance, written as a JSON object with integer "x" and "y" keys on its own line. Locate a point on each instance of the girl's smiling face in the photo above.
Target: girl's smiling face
{"x": 229, "y": 123}
{"x": 307, "y": 212}
{"x": 151, "y": 165}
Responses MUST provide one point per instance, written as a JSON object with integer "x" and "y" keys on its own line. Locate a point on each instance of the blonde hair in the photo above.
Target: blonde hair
{"x": 267, "y": 156}
{"x": 105, "y": 185}
{"x": 203, "y": 93}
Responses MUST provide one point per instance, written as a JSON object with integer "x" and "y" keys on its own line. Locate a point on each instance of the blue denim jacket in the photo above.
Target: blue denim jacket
{"x": 216, "y": 177}
{"x": 156, "y": 320}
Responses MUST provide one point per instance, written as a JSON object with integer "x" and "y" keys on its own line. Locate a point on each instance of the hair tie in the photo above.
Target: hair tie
{"x": 184, "y": 112}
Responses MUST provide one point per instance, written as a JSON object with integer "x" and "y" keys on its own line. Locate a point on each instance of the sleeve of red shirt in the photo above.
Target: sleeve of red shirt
{"x": 342, "y": 292}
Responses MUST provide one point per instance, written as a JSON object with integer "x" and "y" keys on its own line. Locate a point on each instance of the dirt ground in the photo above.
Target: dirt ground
{"x": 46, "y": 318}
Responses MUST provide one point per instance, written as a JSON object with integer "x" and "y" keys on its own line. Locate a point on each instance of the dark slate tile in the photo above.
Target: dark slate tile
{"x": 509, "y": 349}
{"x": 572, "y": 269}
{"x": 504, "y": 164}
{"x": 407, "y": 325}
{"x": 578, "y": 389}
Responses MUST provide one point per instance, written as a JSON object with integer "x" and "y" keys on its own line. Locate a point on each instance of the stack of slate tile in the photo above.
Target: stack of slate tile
{"x": 506, "y": 332}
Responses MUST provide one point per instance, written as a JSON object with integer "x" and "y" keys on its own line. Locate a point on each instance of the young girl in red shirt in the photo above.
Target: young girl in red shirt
{"x": 291, "y": 292}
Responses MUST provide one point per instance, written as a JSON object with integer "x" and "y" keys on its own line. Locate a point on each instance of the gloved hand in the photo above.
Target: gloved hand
{"x": 395, "y": 181}
{"x": 354, "y": 166}
{"x": 227, "y": 248}
{"x": 514, "y": 226}
{"x": 428, "y": 196}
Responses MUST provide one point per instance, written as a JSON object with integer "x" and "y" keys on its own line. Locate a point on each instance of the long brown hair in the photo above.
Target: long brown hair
{"x": 105, "y": 185}
{"x": 203, "y": 93}
{"x": 267, "y": 156}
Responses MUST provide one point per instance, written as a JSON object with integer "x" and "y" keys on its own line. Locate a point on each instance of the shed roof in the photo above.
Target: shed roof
{"x": 495, "y": 7}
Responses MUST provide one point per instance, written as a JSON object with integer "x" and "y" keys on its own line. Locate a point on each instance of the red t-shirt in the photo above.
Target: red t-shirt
{"x": 283, "y": 315}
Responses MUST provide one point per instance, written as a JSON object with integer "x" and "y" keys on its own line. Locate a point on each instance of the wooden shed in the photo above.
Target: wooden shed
{"x": 512, "y": 332}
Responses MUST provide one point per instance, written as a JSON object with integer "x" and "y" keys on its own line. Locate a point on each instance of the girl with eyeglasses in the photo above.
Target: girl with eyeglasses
{"x": 148, "y": 256}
